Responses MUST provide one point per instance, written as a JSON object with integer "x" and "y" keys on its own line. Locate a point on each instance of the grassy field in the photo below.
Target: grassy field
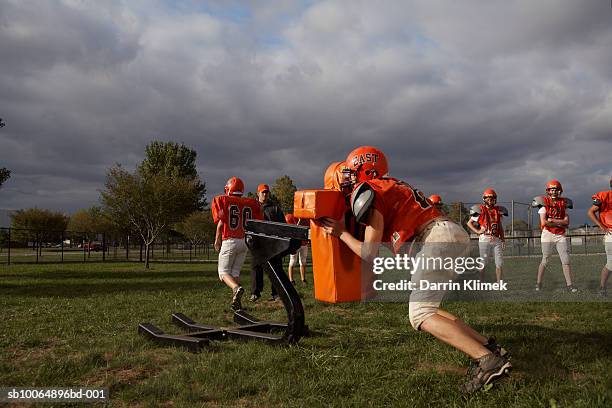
{"x": 75, "y": 325}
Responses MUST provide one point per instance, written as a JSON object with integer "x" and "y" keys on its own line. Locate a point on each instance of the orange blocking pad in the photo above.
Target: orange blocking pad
{"x": 313, "y": 204}
{"x": 336, "y": 269}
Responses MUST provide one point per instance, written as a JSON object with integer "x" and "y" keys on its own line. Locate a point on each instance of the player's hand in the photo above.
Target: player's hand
{"x": 217, "y": 245}
{"x": 333, "y": 227}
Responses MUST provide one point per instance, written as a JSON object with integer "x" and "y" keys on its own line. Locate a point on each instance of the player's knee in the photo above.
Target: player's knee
{"x": 544, "y": 260}
{"x": 609, "y": 264}
{"x": 565, "y": 258}
{"x": 418, "y": 313}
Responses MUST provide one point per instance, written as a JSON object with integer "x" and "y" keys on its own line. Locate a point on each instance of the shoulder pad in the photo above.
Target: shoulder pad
{"x": 538, "y": 202}
{"x": 503, "y": 210}
{"x": 362, "y": 199}
{"x": 596, "y": 201}
{"x": 475, "y": 210}
{"x": 569, "y": 203}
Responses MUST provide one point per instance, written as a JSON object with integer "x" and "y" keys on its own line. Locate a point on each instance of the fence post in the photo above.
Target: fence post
{"x": 62, "y": 246}
{"x": 127, "y": 247}
{"x": 9, "y": 247}
{"x": 103, "y": 246}
{"x": 37, "y": 246}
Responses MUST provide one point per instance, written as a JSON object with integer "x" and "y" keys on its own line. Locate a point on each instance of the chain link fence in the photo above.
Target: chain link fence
{"x": 19, "y": 245}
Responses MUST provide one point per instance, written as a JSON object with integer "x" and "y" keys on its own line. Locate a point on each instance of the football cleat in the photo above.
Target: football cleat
{"x": 484, "y": 371}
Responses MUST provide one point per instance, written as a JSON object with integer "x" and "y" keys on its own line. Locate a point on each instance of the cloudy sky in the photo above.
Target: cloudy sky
{"x": 460, "y": 95}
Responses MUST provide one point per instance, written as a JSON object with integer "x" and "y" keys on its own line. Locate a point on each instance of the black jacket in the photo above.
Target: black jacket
{"x": 272, "y": 212}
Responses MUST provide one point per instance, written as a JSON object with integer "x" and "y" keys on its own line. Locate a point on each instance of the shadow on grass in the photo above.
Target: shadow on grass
{"x": 546, "y": 352}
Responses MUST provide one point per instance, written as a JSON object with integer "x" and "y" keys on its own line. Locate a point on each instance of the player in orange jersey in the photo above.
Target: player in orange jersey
{"x": 436, "y": 201}
{"x": 601, "y": 214}
{"x": 230, "y": 213}
{"x": 395, "y": 212}
{"x": 486, "y": 221}
{"x": 554, "y": 221}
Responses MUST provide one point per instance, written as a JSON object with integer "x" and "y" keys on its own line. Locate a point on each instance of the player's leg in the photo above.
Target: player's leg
{"x": 605, "y": 272}
{"x": 483, "y": 249}
{"x": 449, "y": 239}
{"x": 563, "y": 251}
{"x": 227, "y": 256}
{"x": 498, "y": 251}
{"x": 452, "y": 332}
{"x": 467, "y": 329}
{"x": 303, "y": 256}
{"x": 240, "y": 251}
{"x": 547, "y": 247}
{"x": 292, "y": 259}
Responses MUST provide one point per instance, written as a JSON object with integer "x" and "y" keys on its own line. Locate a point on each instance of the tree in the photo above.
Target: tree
{"x": 283, "y": 192}
{"x": 458, "y": 213}
{"x": 4, "y": 175}
{"x": 174, "y": 161}
{"x": 150, "y": 204}
{"x": 33, "y": 223}
{"x": 91, "y": 221}
{"x": 198, "y": 228}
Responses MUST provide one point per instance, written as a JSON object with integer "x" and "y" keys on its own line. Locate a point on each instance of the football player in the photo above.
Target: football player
{"x": 554, "y": 221}
{"x": 395, "y": 212}
{"x": 300, "y": 256}
{"x": 230, "y": 213}
{"x": 436, "y": 201}
{"x": 271, "y": 212}
{"x": 486, "y": 221}
{"x": 601, "y": 214}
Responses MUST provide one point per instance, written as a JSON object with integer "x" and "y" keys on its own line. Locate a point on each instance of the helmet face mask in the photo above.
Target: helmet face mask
{"x": 489, "y": 197}
{"x": 349, "y": 179}
{"x": 553, "y": 189}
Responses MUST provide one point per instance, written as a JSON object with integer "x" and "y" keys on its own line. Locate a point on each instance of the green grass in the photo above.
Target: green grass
{"x": 75, "y": 325}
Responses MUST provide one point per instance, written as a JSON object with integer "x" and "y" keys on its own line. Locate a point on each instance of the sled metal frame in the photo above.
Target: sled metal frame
{"x": 267, "y": 240}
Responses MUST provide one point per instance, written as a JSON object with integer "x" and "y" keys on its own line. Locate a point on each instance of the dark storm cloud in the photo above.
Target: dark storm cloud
{"x": 460, "y": 95}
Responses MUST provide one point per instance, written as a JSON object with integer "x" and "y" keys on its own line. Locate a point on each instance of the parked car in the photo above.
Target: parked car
{"x": 92, "y": 246}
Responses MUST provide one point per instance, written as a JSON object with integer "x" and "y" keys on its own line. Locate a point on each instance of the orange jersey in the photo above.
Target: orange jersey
{"x": 555, "y": 210}
{"x": 404, "y": 209}
{"x": 234, "y": 211}
{"x": 603, "y": 200}
{"x": 490, "y": 219}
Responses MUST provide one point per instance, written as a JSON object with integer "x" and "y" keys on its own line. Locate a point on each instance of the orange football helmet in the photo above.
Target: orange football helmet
{"x": 489, "y": 192}
{"x": 367, "y": 163}
{"x": 234, "y": 186}
{"x": 554, "y": 184}
{"x": 435, "y": 199}
{"x": 334, "y": 178}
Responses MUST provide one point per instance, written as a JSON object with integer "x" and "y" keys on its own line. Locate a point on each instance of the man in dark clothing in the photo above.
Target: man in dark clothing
{"x": 271, "y": 213}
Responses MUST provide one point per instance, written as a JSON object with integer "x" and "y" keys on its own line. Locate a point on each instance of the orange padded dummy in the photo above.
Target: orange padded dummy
{"x": 336, "y": 269}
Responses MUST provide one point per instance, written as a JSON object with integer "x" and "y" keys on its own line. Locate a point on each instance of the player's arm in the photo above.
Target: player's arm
{"x": 593, "y": 214}
{"x": 544, "y": 220}
{"x": 366, "y": 249}
{"x": 562, "y": 222}
{"x": 471, "y": 226}
{"x": 218, "y": 236}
